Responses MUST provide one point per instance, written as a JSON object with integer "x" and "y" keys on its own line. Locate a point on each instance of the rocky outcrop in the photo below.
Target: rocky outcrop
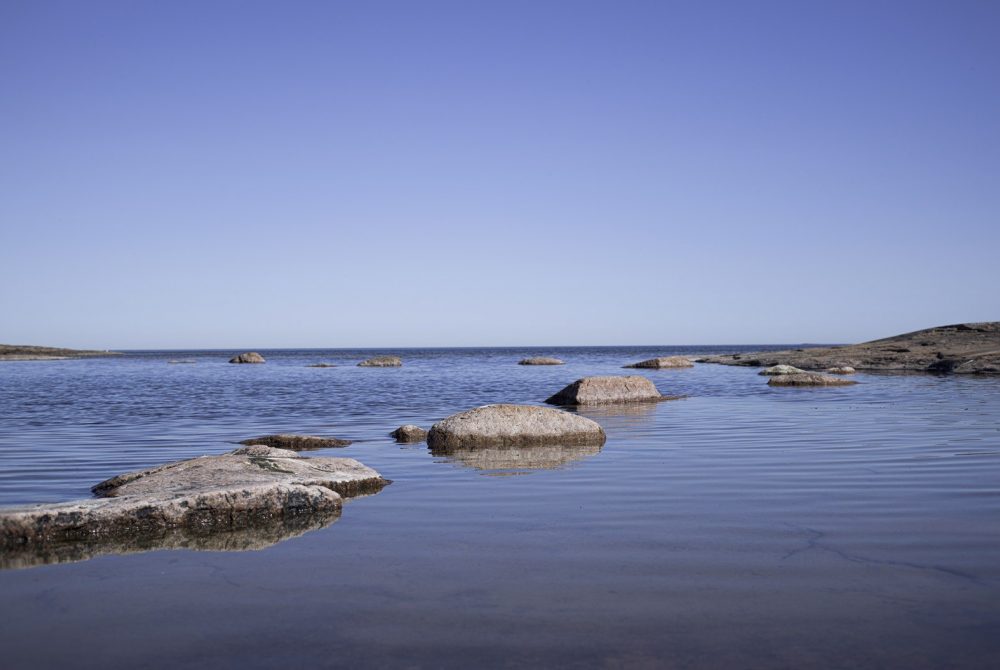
{"x": 381, "y": 362}
{"x": 248, "y": 357}
{"x": 608, "y": 390}
{"x": 966, "y": 348}
{"x": 808, "y": 379}
{"x": 781, "y": 370}
{"x": 26, "y": 352}
{"x": 254, "y": 485}
{"x": 663, "y": 362}
{"x": 540, "y": 360}
{"x": 297, "y": 442}
{"x": 843, "y": 370}
{"x": 513, "y": 426}
{"x": 409, "y": 434}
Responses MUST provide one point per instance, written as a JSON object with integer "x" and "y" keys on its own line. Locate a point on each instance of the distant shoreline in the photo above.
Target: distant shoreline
{"x": 25, "y": 352}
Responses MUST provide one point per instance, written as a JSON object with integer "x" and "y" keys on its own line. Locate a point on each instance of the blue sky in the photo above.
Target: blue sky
{"x": 248, "y": 174}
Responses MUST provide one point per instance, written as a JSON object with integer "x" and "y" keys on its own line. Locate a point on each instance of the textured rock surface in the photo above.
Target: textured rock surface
{"x": 663, "y": 362}
{"x": 381, "y": 362}
{"x": 781, "y": 370}
{"x": 248, "y": 357}
{"x": 540, "y": 360}
{"x": 808, "y": 379}
{"x": 409, "y": 434}
{"x": 513, "y": 426}
{"x": 967, "y": 348}
{"x": 253, "y": 485}
{"x": 844, "y": 370}
{"x": 297, "y": 442}
{"x": 606, "y": 390}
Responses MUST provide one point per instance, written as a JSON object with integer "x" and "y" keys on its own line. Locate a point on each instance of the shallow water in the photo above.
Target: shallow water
{"x": 744, "y": 526}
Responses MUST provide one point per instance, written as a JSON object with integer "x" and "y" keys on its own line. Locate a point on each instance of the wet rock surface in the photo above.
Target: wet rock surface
{"x": 248, "y": 357}
{"x": 381, "y": 362}
{"x": 608, "y": 390}
{"x": 409, "y": 434}
{"x": 808, "y": 379}
{"x": 252, "y": 486}
{"x": 297, "y": 442}
{"x": 663, "y": 362}
{"x": 540, "y": 360}
{"x": 513, "y": 426}
{"x": 966, "y": 348}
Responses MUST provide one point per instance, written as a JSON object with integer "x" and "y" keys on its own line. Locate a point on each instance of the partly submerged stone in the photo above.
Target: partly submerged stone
{"x": 409, "y": 434}
{"x": 381, "y": 362}
{"x": 540, "y": 360}
{"x": 607, "y": 390}
{"x": 841, "y": 370}
{"x": 297, "y": 442}
{"x": 248, "y": 357}
{"x": 781, "y": 370}
{"x": 321, "y": 365}
{"x": 808, "y": 379}
{"x": 663, "y": 362}
{"x": 253, "y": 485}
{"x": 513, "y": 426}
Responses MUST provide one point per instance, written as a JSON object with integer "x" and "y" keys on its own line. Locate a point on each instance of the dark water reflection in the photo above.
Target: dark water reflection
{"x": 744, "y": 526}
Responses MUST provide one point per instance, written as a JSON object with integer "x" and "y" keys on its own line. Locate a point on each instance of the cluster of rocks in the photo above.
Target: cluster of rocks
{"x": 965, "y": 348}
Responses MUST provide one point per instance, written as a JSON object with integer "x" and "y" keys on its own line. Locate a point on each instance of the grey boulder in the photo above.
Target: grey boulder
{"x": 540, "y": 360}
{"x": 248, "y": 357}
{"x": 409, "y": 434}
{"x": 607, "y": 390}
{"x": 513, "y": 426}
{"x": 808, "y": 379}
{"x": 781, "y": 370}
{"x": 663, "y": 362}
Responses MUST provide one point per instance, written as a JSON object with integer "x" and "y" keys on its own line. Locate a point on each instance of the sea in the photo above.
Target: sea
{"x": 743, "y": 526}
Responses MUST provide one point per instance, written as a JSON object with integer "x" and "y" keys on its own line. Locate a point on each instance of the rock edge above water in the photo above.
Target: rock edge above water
{"x": 663, "y": 362}
{"x": 409, "y": 434}
{"x": 297, "y": 442}
{"x": 511, "y": 426}
{"x": 248, "y": 357}
{"x": 381, "y": 362}
{"x": 540, "y": 360}
{"x": 245, "y": 488}
{"x": 809, "y": 379}
{"x": 964, "y": 348}
{"x": 608, "y": 390}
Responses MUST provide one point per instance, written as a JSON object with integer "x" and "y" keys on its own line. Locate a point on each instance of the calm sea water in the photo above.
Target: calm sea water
{"x": 743, "y": 527}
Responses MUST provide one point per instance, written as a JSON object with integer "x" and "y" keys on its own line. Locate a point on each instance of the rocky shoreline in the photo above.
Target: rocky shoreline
{"x": 24, "y": 352}
{"x": 966, "y": 348}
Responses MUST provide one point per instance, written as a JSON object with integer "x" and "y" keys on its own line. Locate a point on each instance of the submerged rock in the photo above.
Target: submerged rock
{"x": 808, "y": 379}
{"x": 606, "y": 390}
{"x": 321, "y": 365}
{"x": 540, "y": 360}
{"x": 243, "y": 489}
{"x": 513, "y": 426}
{"x": 381, "y": 362}
{"x": 842, "y": 370}
{"x": 663, "y": 362}
{"x": 781, "y": 370}
{"x": 297, "y": 442}
{"x": 409, "y": 434}
{"x": 248, "y": 357}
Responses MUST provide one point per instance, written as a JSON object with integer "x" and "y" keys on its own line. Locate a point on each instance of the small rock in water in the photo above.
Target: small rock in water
{"x": 248, "y": 357}
{"x": 409, "y": 434}
{"x": 540, "y": 360}
{"x": 841, "y": 370}
{"x": 321, "y": 365}
{"x": 381, "y": 362}
{"x": 808, "y": 379}
{"x": 663, "y": 362}
{"x": 607, "y": 390}
{"x": 297, "y": 442}
{"x": 781, "y": 370}
{"x": 512, "y": 426}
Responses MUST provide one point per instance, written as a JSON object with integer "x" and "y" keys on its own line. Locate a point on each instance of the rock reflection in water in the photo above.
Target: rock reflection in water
{"x": 246, "y": 539}
{"x": 518, "y": 460}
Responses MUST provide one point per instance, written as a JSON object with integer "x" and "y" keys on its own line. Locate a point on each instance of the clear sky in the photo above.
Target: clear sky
{"x": 324, "y": 174}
